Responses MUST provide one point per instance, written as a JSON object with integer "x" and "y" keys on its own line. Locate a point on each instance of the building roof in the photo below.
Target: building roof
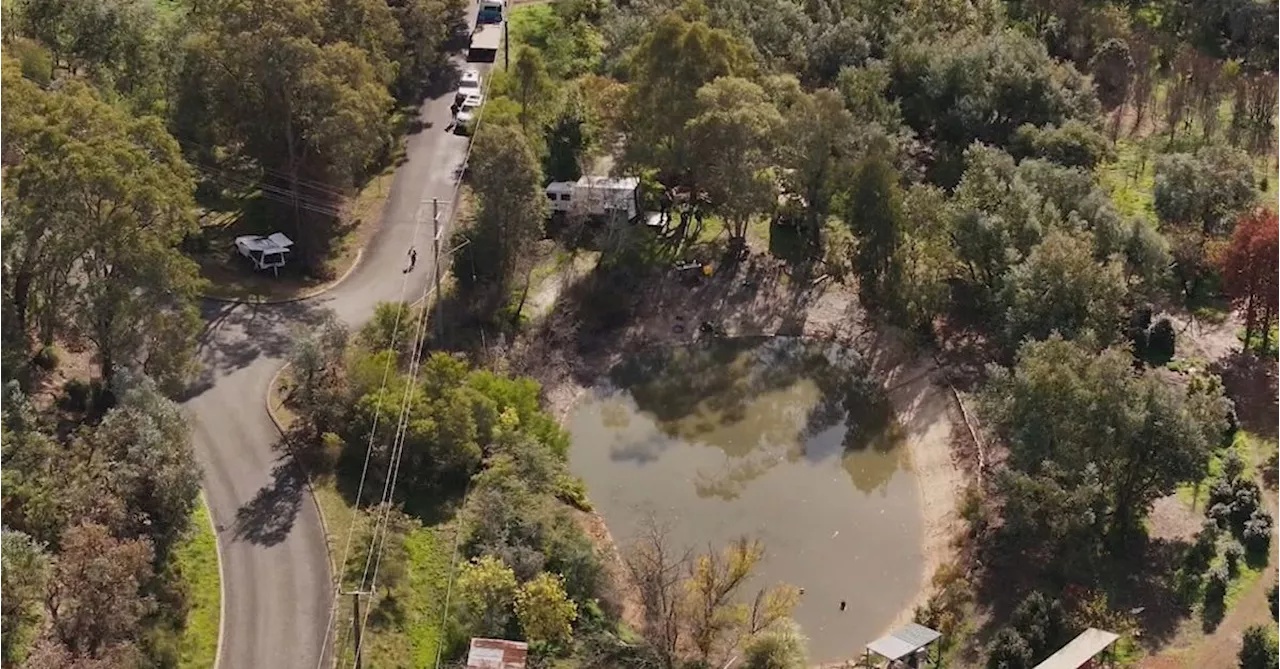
{"x": 1081, "y": 649}
{"x": 904, "y": 641}
{"x": 497, "y": 654}
{"x": 610, "y": 183}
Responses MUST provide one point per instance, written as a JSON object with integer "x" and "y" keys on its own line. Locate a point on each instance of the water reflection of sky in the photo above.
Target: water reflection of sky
{"x": 767, "y": 454}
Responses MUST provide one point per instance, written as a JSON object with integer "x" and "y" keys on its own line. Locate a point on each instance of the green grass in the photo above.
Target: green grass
{"x": 1248, "y": 446}
{"x": 403, "y": 630}
{"x": 1255, "y": 342}
{"x": 197, "y": 561}
{"x": 1130, "y": 179}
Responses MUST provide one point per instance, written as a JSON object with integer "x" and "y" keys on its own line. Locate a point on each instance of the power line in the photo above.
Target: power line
{"x": 377, "y": 413}
{"x": 406, "y": 410}
{"x": 269, "y": 192}
{"x": 309, "y": 183}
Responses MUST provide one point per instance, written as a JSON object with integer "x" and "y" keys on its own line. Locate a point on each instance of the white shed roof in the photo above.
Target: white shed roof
{"x": 904, "y": 641}
{"x": 1081, "y": 649}
{"x": 610, "y": 183}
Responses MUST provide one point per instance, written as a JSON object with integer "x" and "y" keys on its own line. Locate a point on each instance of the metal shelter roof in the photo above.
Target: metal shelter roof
{"x": 903, "y": 641}
{"x": 497, "y": 654}
{"x": 1081, "y": 649}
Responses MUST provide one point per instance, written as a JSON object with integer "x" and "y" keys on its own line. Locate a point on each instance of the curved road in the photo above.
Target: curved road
{"x": 276, "y": 583}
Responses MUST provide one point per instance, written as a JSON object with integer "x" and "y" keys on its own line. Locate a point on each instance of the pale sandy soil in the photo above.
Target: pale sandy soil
{"x": 770, "y": 306}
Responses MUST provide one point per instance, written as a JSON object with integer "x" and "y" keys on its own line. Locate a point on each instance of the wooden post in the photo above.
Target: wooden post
{"x": 355, "y": 622}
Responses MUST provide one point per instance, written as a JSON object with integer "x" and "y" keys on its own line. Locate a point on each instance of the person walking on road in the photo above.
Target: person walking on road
{"x": 413, "y": 259}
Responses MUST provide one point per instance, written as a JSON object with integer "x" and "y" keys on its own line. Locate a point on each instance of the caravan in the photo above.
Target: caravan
{"x": 602, "y": 198}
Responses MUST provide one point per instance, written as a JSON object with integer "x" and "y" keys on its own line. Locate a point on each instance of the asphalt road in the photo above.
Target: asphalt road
{"x": 276, "y": 580}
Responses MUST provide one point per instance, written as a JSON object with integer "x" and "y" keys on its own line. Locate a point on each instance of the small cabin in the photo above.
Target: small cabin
{"x": 605, "y": 198}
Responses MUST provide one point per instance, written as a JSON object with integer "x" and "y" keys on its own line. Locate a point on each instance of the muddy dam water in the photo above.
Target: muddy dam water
{"x": 786, "y": 441}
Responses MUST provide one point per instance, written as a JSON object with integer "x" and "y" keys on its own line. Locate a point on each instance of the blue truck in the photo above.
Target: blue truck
{"x": 491, "y": 11}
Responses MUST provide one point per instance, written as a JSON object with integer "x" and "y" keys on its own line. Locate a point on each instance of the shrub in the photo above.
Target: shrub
{"x": 1202, "y": 551}
{"x": 1233, "y": 426}
{"x": 1221, "y": 492}
{"x": 1161, "y": 341}
{"x": 1136, "y": 331}
{"x": 1257, "y": 532}
{"x": 1220, "y": 514}
{"x": 1233, "y": 552}
{"x": 1008, "y": 650}
{"x": 1259, "y": 649}
{"x": 1039, "y": 620}
{"x": 1215, "y": 587}
{"x": 1233, "y": 465}
{"x": 46, "y": 358}
{"x": 1245, "y": 503}
{"x": 75, "y": 395}
{"x": 1273, "y": 597}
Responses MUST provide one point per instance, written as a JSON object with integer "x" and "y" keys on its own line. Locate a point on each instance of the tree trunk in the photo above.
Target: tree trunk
{"x": 1250, "y": 319}
{"x": 1266, "y": 330}
{"x": 524, "y": 295}
{"x": 21, "y": 299}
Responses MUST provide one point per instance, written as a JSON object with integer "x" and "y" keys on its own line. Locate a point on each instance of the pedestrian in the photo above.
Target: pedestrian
{"x": 413, "y": 258}
{"x": 843, "y": 604}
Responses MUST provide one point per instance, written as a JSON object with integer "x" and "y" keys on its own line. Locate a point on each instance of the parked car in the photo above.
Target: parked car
{"x": 470, "y": 85}
{"x": 467, "y": 113}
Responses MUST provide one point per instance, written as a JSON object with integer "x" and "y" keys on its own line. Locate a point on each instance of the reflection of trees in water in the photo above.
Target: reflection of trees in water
{"x": 695, "y": 391}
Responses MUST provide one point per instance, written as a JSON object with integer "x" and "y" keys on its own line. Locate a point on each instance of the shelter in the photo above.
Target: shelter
{"x": 1082, "y": 652}
{"x": 904, "y": 642}
{"x": 497, "y": 654}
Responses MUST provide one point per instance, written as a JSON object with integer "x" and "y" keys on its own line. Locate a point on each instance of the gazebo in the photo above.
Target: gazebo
{"x": 906, "y": 642}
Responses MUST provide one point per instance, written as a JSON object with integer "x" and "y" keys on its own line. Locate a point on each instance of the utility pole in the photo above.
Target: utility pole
{"x": 506, "y": 45}
{"x": 435, "y": 265}
{"x": 356, "y": 626}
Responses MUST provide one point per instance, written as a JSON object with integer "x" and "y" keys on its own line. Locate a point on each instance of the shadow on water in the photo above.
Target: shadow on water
{"x": 743, "y": 395}
{"x": 788, "y": 440}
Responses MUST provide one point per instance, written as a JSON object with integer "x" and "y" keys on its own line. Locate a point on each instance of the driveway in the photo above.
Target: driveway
{"x": 276, "y": 581}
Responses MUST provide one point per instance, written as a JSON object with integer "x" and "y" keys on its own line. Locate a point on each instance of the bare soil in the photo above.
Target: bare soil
{"x": 1251, "y": 383}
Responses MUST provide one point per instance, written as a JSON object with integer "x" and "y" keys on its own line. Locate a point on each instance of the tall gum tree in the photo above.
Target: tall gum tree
{"x": 97, "y": 204}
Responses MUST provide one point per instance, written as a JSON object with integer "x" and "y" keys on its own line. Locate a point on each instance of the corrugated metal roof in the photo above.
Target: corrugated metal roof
{"x": 904, "y": 641}
{"x": 497, "y": 654}
{"x": 1081, "y": 649}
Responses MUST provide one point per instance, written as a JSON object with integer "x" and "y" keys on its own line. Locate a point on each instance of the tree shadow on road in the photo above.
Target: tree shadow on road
{"x": 268, "y": 517}
{"x": 236, "y": 335}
